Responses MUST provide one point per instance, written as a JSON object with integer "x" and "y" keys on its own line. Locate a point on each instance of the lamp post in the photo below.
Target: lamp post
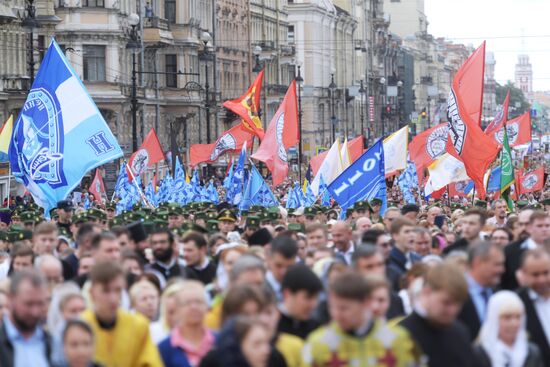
{"x": 299, "y": 81}
{"x": 382, "y": 85}
{"x": 205, "y": 38}
{"x": 361, "y": 112}
{"x": 398, "y": 103}
{"x": 332, "y": 88}
{"x": 29, "y": 23}
{"x": 135, "y": 47}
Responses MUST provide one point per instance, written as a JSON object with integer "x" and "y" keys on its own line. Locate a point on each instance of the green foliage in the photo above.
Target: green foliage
{"x": 516, "y": 95}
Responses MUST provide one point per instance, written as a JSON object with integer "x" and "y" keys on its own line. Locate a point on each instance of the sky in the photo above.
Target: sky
{"x": 501, "y": 23}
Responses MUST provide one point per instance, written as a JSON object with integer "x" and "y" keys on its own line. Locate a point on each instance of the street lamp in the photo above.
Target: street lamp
{"x": 332, "y": 88}
{"x": 134, "y": 46}
{"x": 205, "y": 38}
{"x": 299, "y": 81}
{"x": 257, "y": 64}
{"x": 29, "y": 23}
{"x": 382, "y": 81}
{"x": 361, "y": 112}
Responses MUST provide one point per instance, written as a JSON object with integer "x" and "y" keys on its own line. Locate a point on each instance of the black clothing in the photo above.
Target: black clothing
{"x": 295, "y": 327}
{"x": 175, "y": 270}
{"x": 7, "y": 353}
{"x": 215, "y": 359}
{"x": 469, "y": 317}
{"x": 68, "y": 272}
{"x": 443, "y": 346}
{"x": 534, "y": 357}
{"x": 73, "y": 262}
{"x": 534, "y": 326}
{"x": 512, "y": 258}
{"x": 396, "y": 308}
{"x": 206, "y": 275}
{"x": 458, "y": 245}
{"x": 66, "y": 227}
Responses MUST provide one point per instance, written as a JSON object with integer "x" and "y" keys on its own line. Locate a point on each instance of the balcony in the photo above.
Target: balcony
{"x": 157, "y": 30}
{"x": 426, "y": 80}
{"x": 15, "y": 84}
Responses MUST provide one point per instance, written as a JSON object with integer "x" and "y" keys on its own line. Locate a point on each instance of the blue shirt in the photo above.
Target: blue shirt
{"x": 28, "y": 352}
{"x": 477, "y": 295}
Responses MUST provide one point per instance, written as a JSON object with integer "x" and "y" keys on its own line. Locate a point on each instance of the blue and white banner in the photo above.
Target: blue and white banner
{"x": 60, "y": 134}
{"x": 363, "y": 180}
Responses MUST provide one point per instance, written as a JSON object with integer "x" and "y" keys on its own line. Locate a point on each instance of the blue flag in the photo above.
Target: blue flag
{"x": 494, "y": 180}
{"x": 235, "y": 192}
{"x": 179, "y": 171}
{"x": 195, "y": 192}
{"x": 310, "y": 197}
{"x": 151, "y": 195}
{"x": 212, "y": 193}
{"x": 363, "y": 180}
{"x": 60, "y": 134}
{"x": 257, "y": 192}
{"x": 407, "y": 181}
{"x": 323, "y": 190}
{"x": 291, "y": 200}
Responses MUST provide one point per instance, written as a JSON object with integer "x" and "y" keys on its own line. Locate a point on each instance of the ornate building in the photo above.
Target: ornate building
{"x": 524, "y": 76}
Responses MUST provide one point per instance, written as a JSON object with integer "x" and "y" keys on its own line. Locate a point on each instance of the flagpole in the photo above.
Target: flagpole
{"x": 139, "y": 188}
{"x": 473, "y": 195}
{"x": 9, "y": 184}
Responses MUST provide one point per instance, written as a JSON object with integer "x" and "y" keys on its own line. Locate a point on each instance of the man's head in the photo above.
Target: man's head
{"x": 410, "y": 211}
{"x": 22, "y": 257}
{"x": 485, "y": 263}
{"x": 282, "y": 255}
{"x": 317, "y": 235}
{"x": 433, "y": 212}
{"x": 163, "y": 245}
{"x": 472, "y": 223}
{"x": 51, "y": 268}
{"x": 520, "y": 230}
{"x": 341, "y": 236}
{"x": 301, "y": 288}
{"x": 499, "y": 208}
{"x": 105, "y": 247}
{"x": 247, "y": 269}
{"x": 390, "y": 215}
{"x": 195, "y": 248}
{"x": 349, "y": 300}
{"x": 402, "y": 233}
{"x": 445, "y": 291}
{"x": 367, "y": 260}
{"x": 539, "y": 227}
{"x": 362, "y": 224}
{"x": 122, "y": 234}
{"x": 44, "y": 238}
{"x": 65, "y": 211}
{"x": 85, "y": 263}
{"x": 84, "y": 236}
{"x": 144, "y": 298}
{"x": 28, "y": 300}
{"x": 422, "y": 242}
{"x": 535, "y": 271}
{"x": 107, "y": 279}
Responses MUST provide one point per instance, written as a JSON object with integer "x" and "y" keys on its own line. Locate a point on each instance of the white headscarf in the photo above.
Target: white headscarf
{"x": 60, "y": 293}
{"x": 499, "y": 353}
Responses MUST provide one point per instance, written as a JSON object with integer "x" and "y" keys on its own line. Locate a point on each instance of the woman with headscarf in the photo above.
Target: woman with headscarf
{"x": 502, "y": 340}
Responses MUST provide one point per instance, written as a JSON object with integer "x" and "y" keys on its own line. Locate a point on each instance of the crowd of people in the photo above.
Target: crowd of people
{"x": 204, "y": 285}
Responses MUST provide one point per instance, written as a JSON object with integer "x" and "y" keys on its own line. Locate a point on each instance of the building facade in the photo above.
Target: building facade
{"x": 524, "y": 76}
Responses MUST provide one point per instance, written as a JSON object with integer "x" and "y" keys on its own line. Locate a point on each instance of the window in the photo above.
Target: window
{"x": 171, "y": 67}
{"x": 94, "y": 63}
{"x": 170, "y": 10}
{"x": 290, "y": 35}
{"x": 93, "y": 3}
{"x": 41, "y": 47}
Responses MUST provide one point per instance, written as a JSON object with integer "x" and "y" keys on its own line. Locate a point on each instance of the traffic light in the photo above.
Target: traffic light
{"x": 423, "y": 113}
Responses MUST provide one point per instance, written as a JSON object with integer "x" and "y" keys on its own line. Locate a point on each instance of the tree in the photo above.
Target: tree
{"x": 516, "y": 96}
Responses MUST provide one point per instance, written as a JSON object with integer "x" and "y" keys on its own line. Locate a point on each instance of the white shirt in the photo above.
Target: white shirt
{"x": 349, "y": 253}
{"x": 542, "y": 306}
{"x": 529, "y": 244}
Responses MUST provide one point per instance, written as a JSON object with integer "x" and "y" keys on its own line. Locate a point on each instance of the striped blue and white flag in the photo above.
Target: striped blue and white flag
{"x": 59, "y": 134}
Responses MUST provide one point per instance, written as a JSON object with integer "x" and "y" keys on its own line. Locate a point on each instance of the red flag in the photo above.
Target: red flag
{"x": 467, "y": 141}
{"x": 231, "y": 141}
{"x": 439, "y": 193}
{"x": 147, "y": 155}
{"x": 426, "y": 147}
{"x": 530, "y": 181}
{"x": 355, "y": 148}
{"x": 247, "y": 107}
{"x": 500, "y": 118}
{"x": 97, "y": 188}
{"x": 518, "y": 129}
{"x": 458, "y": 189}
{"x": 281, "y": 134}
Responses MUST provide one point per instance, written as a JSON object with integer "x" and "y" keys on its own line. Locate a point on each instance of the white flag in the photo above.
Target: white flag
{"x": 395, "y": 151}
{"x": 344, "y": 152}
{"x": 330, "y": 168}
{"x": 445, "y": 170}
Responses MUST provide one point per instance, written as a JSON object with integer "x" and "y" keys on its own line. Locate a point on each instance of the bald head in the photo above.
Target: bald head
{"x": 433, "y": 212}
{"x": 363, "y": 224}
{"x": 341, "y": 235}
{"x": 50, "y": 267}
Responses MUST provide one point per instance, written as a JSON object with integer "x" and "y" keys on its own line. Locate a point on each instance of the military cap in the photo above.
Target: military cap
{"x": 18, "y": 234}
{"x": 522, "y": 204}
{"x": 116, "y": 221}
{"x": 28, "y": 217}
{"x": 361, "y": 205}
{"x": 97, "y": 214}
{"x": 212, "y": 225}
{"x": 65, "y": 205}
{"x": 264, "y": 217}
{"x": 227, "y": 215}
{"x": 310, "y": 212}
{"x": 110, "y": 206}
{"x": 200, "y": 215}
{"x": 296, "y": 227}
{"x": 375, "y": 201}
{"x": 252, "y": 222}
{"x": 290, "y": 211}
{"x": 481, "y": 204}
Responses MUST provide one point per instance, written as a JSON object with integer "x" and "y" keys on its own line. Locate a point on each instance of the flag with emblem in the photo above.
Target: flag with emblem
{"x": 467, "y": 142}
{"x": 147, "y": 155}
{"x": 427, "y": 146}
{"x": 532, "y": 181}
{"x": 59, "y": 134}
{"x": 97, "y": 187}
{"x": 507, "y": 177}
{"x": 518, "y": 130}
{"x": 247, "y": 107}
{"x": 500, "y": 118}
{"x": 282, "y": 133}
{"x": 231, "y": 141}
